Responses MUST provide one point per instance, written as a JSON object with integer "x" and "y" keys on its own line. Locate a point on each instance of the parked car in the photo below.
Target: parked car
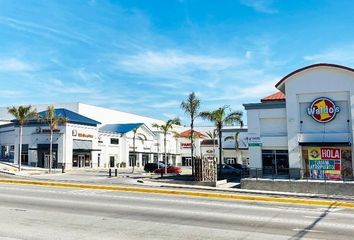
{"x": 244, "y": 169}
{"x": 151, "y": 167}
{"x": 170, "y": 169}
{"x": 229, "y": 170}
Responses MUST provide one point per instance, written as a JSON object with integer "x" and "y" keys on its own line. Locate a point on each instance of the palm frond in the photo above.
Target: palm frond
{"x": 233, "y": 117}
{"x": 229, "y": 138}
{"x": 22, "y": 113}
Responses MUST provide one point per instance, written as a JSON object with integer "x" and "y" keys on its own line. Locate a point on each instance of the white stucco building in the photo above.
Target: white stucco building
{"x": 92, "y": 137}
{"x": 306, "y": 129}
{"x": 204, "y": 145}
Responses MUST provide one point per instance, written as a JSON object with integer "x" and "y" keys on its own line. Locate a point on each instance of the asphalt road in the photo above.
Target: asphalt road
{"x": 34, "y": 212}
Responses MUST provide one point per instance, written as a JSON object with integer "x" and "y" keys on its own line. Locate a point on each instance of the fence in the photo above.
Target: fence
{"x": 300, "y": 173}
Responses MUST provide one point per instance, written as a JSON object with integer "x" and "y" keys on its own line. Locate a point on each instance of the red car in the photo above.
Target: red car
{"x": 170, "y": 169}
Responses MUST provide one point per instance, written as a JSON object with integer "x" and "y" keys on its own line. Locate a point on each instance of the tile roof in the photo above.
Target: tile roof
{"x": 187, "y": 134}
{"x": 278, "y": 96}
{"x": 72, "y": 117}
{"x": 120, "y": 128}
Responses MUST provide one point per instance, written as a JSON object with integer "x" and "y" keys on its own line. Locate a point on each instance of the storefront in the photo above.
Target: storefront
{"x": 306, "y": 129}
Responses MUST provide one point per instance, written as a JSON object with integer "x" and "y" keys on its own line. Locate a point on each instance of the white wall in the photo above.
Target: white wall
{"x": 301, "y": 89}
{"x": 271, "y": 126}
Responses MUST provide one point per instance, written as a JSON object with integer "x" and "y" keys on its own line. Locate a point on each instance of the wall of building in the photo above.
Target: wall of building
{"x": 301, "y": 89}
{"x": 272, "y": 136}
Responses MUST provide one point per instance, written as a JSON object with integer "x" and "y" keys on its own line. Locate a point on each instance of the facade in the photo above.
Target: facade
{"x": 306, "y": 129}
{"x": 233, "y": 151}
{"x": 85, "y": 141}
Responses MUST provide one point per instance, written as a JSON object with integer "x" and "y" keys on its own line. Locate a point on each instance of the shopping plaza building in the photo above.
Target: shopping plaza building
{"x": 306, "y": 128}
{"x": 96, "y": 137}
{"x": 91, "y": 137}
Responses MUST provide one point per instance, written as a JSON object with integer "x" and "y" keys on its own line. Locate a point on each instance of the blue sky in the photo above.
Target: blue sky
{"x": 146, "y": 56}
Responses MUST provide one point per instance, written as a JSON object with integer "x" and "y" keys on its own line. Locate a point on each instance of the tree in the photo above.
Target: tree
{"x": 191, "y": 107}
{"x": 22, "y": 114}
{"x": 235, "y": 138}
{"x": 165, "y": 128}
{"x": 212, "y": 135}
{"x": 53, "y": 120}
{"x": 134, "y": 157}
{"x": 142, "y": 137}
{"x": 220, "y": 117}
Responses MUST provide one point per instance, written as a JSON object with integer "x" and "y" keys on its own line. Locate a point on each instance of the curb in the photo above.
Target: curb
{"x": 186, "y": 193}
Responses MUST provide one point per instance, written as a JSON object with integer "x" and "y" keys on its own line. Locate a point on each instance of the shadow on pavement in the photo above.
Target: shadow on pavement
{"x": 308, "y": 229}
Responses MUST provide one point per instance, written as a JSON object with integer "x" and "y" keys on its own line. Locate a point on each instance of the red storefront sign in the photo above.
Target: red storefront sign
{"x": 330, "y": 153}
{"x": 186, "y": 145}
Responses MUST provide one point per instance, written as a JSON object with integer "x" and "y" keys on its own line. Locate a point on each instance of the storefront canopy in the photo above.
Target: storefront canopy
{"x": 83, "y": 145}
{"x": 325, "y": 139}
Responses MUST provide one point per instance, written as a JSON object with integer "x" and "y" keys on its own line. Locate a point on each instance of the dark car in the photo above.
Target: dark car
{"x": 229, "y": 170}
{"x": 151, "y": 167}
{"x": 245, "y": 170}
{"x": 170, "y": 169}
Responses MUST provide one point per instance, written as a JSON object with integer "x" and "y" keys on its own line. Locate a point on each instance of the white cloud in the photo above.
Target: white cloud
{"x": 342, "y": 55}
{"x": 263, "y": 6}
{"x": 44, "y": 30}
{"x": 167, "y": 104}
{"x": 86, "y": 76}
{"x": 160, "y": 63}
{"x": 14, "y": 65}
{"x": 248, "y": 55}
{"x": 11, "y": 93}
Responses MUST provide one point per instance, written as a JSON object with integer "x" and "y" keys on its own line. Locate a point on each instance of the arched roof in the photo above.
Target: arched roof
{"x": 282, "y": 81}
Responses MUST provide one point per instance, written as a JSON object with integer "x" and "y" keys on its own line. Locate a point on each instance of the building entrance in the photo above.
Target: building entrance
{"x": 81, "y": 160}
{"x": 43, "y": 154}
{"x": 186, "y": 161}
{"x": 275, "y": 162}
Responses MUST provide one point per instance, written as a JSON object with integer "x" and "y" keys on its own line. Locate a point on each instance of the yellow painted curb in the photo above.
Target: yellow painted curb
{"x": 186, "y": 193}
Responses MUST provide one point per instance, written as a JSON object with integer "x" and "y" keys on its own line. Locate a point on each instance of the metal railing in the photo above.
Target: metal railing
{"x": 299, "y": 173}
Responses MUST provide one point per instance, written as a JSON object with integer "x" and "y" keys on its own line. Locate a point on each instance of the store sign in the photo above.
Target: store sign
{"x": 186, "y": 145}
{"x": 254, "y": 141}
{"x": 325, "y": 163}
{"x": 46, "y": 130}
{"x": 84, "y": 135}
{"x": 323, "y": 110}
{"x": 75, "y": 133}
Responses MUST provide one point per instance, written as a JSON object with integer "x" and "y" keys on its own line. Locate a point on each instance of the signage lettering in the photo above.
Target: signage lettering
{"x": 323, "y": 110}
{"x": 325, "y": 163}
{"x": 186, "y": 145}
{"x": 46, "y": 130}
{"x": 84, "y": 135}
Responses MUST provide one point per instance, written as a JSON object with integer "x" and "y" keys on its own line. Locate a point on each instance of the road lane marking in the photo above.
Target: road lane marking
{"x": 268, "y": 199}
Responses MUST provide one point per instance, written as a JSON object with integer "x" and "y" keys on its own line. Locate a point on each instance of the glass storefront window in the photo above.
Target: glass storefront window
{"x": 275, "y": 162}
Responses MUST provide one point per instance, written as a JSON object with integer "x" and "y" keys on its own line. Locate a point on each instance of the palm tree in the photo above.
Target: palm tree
{"x": 134, "y": 156}
{"x": 212, "y": 135}
{"x": 235, "y": 138}
{"x": 53, "y": 121}
{"x": 141, "y": 137}
{"x": 221, "y": 117}
{"x": 165, "y": 128}
{"x": 191, "y": 107}
{"x": 22, "y": 114}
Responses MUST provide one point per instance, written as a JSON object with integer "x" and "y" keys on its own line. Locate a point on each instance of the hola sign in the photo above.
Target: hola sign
{"x": 323, "y": 110}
